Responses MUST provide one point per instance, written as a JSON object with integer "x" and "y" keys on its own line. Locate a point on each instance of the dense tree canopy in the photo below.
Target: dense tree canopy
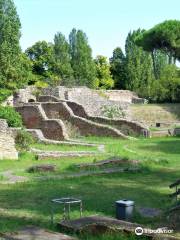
{"x": 164, "y": 36}
{"x": 62, "y": 62}
{"x": 41, "y": 55}
{"x": 62, "y": 57}
{"x": 117, "y": 62}
{"x": 160, "y": 60}
{"x": 147, "y": 66}
{"x": 13, "y": 64}
{"x": 81, "y": 59}
{"x": 167, "y": 87}
{"x": 103, "y": 74}
{"x": 138, "y": 66}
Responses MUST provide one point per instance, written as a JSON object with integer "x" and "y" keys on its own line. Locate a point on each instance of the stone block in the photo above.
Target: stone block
{"x": 7, "y": 144}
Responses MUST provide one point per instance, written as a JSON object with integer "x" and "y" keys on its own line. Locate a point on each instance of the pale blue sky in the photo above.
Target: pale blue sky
{"x": 106, "y": 22}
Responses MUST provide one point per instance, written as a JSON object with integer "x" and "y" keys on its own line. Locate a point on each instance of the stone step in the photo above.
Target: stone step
{"x": 97, "y": 225}
{"x": 56, "y": 155}
{"x": 161, "y": 133}
{"x": 78, "y": 224}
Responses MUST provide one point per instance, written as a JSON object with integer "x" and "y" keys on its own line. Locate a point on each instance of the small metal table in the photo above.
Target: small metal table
{"x": 67, "y": 202}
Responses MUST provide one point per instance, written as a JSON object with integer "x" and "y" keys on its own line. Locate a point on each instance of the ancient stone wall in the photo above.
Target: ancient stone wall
{"x": 7, "y": 144}
{"x": 125, "y": 126}
{"x": 77, "y": 108}
{"x": 123, "y": 96}
{"x": 56, "y": 92}
{"x": 60, "y": 110}
{"x": 24, "y": 96}
{"x": 34, "y": 118}
{"x": 93, "y": 101}
{"x": 64, "y": 104}
{"x": 47, "y": 98}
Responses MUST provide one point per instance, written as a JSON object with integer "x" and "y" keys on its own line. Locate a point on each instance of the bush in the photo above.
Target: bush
{"x": 73, "y": 132}
{"x": 167, "y": 88}
{"x": 13, "y": 118}
{"x": 113, "y": 112}
{"x": 23, "y": 140}
{"x": 4, "y": 94}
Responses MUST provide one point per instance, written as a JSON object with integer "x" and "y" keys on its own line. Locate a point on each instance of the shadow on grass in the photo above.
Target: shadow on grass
{"x": 166, "y": 146}
{"x": 98, "y": 194}
{"x": 13, "y": 223}
{"x": 172, "y": 108}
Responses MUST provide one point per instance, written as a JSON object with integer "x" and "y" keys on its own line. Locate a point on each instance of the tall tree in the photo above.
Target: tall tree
{"x": 81, "y": 59}
{"x": 160, "y": 60}
{"x": 104, "y": 78}
{"x": 12, "y": 71}
{"x": 62, "y": 57}
{"x": 118, "y": 71}
{"x": 138, "y": 66}
{"x": 167, "y": 87}
{"x": 41, "y": 56}
{"x": 165, "y": 37}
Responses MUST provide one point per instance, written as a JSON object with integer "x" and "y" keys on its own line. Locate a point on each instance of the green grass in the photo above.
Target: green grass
{"x": 29, "y": 203}
{"x": 154, "y": 152}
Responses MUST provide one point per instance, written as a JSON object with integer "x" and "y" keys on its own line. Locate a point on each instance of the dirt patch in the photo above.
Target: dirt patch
{"x": 36, "y": 233}
{"x": 149, "y": 212}
{"x": 11, "y": 178}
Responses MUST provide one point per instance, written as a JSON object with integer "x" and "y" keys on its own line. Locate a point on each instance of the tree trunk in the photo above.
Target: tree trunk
{"x": 154, "y": 65}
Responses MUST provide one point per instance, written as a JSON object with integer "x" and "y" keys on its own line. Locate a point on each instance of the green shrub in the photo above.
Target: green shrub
{"x": 167, "y": 88}
{"x": 113, "y": 112}
{"x": 73, "y": 132}
{"x": 23, "y": 140}
{"x": 13, "y": 118}
{"x": 4, "y": 94}
{"x": 39, "y": 87}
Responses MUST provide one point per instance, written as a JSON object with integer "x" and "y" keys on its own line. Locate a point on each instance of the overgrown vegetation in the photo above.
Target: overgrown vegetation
{"x": 73, "y": 131}
{"x": 103, "y": 74}
{"x": 147, "y": 66}
{"x": 23, "y": 140}
{"x": 149, "y": 70}
{"x": 4, "y": 94}
{"x": 15, "y": 67}
{"x": 113, "y": 112}
{"x": 12, "y": 117}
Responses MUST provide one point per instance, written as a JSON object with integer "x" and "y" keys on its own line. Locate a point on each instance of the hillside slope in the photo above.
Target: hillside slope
{"x": 156, "y": 113}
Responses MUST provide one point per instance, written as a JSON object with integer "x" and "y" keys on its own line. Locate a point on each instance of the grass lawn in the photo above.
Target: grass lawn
{"x": 29, "y": 203}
